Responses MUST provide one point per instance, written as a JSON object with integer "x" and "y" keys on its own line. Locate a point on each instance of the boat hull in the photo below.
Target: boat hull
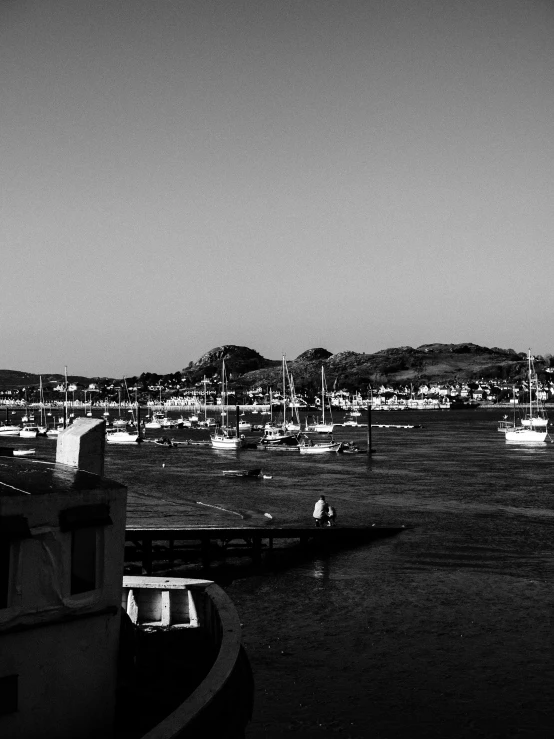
{"x": 526, "y": 435}
{"x": 223, "y": 440}
{"x": 321, "y": 448}
{"x": 122, "y": 437}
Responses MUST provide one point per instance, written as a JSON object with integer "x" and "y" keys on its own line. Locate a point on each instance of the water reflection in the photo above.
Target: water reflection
{"x": 321, "y": 571}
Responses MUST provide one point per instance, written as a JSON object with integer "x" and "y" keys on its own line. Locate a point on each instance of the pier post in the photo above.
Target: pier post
{"x": 257, "y": 549}
{"x": 205, "y": 551}
{"x": 171, "y": 552}
{"x": 369, "y": 449}
{"x": 147, "y": 554}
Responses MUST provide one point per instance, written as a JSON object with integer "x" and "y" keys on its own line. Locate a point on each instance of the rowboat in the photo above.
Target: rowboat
{"x": 308, "y": 446}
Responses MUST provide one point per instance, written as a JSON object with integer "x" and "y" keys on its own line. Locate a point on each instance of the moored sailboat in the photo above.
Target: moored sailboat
{"x": 533, "y": 428}
{"x": 323, "y": 427}
{"x": 275, "y": 435}
{"x": 224, "y": 436}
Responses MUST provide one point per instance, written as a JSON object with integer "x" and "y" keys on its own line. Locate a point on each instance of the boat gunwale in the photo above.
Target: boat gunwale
{"x": 176, "y": 723}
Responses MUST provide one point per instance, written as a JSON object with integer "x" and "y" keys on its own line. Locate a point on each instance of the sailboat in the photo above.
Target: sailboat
{"x": 43, "y": 426}
{"x": 224, "y": 436}
{"x": 533, "y": 428}
{"x": 279, "y": 435}
{"x": 324, "y": 427}
{"x": 123, "y": 434}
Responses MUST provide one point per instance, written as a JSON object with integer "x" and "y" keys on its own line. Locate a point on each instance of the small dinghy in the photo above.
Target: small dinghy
{"x": 242, "y": 473}
{"x": 23, "y": 452}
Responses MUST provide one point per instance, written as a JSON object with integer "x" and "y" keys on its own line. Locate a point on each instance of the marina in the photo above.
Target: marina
{"x": 472, "y": 571}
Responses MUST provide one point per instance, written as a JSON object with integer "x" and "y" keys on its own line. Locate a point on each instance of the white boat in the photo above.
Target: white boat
{"x": 29, "y": 432}
{"x": 536, "y": 422}
{"x": 526, "y": 435}
{"x": 281, "y": 435}
{"x": 535, "y": 430}
{"x": 55, "y": 430}
{"x": 225, "y": 436}
{"x": 43, "y": 426}
{"x": 351, "y": 421}
{"x": 9, "y": 430}
{"x": 155, "y": 421}
{"x": 323, "y": 427}
{"x": 120, "y": 436}
{"x": 308, "y": 446}
{"x": 170, "y": 423}
{"x": 292, "y": 426}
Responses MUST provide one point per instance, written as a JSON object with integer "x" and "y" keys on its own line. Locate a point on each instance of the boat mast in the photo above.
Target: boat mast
{"x": 42, "y": 414}
{"x": 284, "y": 397}
{"x": 223, "y": 417}
{"x": 530, "y": 390}
{"x": 65, "y": 400}
{"x": 323, "y": 393}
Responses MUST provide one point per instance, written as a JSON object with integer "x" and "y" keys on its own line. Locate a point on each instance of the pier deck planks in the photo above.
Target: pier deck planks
{"x": 253, "y": 537}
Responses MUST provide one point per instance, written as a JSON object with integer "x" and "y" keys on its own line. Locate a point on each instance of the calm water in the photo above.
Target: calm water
{"x": 441, "y": 631}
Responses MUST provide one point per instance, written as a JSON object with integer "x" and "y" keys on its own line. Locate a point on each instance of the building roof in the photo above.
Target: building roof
{"x": 33, "y": 477}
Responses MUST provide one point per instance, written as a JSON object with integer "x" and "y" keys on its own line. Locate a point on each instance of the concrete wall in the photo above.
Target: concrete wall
{"x": 62, "y": 646}
{"x": 67, "y": 679}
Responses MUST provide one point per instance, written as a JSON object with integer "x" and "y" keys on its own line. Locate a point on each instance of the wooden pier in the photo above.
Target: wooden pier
{"x": 152, "y": 544}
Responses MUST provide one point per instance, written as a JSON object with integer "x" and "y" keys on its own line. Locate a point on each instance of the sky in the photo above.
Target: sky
{"x": 278, "y": 174}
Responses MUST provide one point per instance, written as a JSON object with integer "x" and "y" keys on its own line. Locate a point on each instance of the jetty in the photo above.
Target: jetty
{"x": 147, "y": 544}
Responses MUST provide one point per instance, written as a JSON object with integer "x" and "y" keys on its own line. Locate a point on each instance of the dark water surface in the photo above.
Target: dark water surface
{"x": 443, "y": 631}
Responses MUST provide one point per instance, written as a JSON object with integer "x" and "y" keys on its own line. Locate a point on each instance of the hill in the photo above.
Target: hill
{"x": 351, "y": 370}
{"x": 403, "y": 365}
{"x": 14, "y": 380}
{"x": 239, "y": 361}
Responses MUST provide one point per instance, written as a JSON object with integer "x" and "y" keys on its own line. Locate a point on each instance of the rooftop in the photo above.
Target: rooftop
{"x": 33, "y": 477}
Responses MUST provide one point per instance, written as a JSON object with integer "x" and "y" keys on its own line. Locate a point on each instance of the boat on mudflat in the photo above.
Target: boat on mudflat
{"x": 308, "y": 446}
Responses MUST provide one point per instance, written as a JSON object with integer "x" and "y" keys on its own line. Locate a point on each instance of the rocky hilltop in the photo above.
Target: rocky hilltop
{"x": 349, "y": 369}
{"x": 239, "y": 361}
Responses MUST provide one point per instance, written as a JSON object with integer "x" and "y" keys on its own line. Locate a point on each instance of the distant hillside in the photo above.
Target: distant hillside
{"x": 402, "y": 365}
{"x": 351, "y": 370}
{"x": 13, "y": 379}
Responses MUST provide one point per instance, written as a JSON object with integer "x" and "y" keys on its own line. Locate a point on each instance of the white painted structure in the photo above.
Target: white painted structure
{"x": 62, "y": 534}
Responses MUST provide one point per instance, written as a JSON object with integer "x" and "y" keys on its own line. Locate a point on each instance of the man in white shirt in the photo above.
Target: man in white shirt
{"x": 320, "y": 512}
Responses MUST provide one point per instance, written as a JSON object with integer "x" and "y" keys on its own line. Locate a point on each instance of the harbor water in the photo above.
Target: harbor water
{"x": 444, "y": 630}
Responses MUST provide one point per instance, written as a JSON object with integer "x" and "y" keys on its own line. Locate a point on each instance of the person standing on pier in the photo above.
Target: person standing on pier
{"x": 320, "y": 512}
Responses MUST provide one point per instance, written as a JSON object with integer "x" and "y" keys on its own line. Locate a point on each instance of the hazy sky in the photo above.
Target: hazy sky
{"x": 351, "y": 174}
